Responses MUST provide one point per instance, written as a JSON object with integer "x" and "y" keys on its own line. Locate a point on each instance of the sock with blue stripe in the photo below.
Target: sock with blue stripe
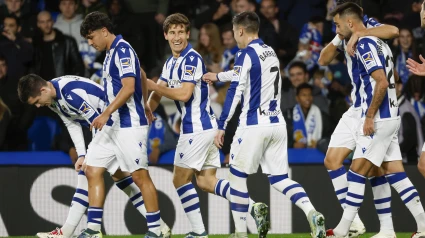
{"x": 222, "y": 189}
{"x": 133, "y": 192}
{"x": 292, "y": 190}
{"x": 353, "y": 201}
{"x": 190, "y": 202}
{"x": 382, "y": 198}
{"x": 154, "y": 224}
{"x": 340, "y": 183}
{"x": 79, "y": 205}
{"x": 408, "y": 193}
{"x": 94, "y": 218}
{"x": 239, "y": 198}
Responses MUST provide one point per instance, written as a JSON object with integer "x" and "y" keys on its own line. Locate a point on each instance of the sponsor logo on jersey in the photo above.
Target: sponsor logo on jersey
{"x": 369, "y": 60}
{"x": 237, "y": 72}
{"x": 126, "y": 66}
{"x": 86, "y": 109}
{"x": 189, "y": 72}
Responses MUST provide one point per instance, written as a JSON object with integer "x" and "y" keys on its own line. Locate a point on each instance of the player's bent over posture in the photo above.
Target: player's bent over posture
{"x": 77, "y": 101}
{"x": 181, "y": 80}
{"x": 261, "y": 136}
{"x": 377, "y": 143}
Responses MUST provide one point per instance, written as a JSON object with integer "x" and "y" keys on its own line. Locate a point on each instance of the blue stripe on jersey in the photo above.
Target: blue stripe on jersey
{"x": 255, "y": 87}
{"x": 138, "y": 94}
{"x": 88, "y": 87}
{"x": 205, "y": 118}
{"x": 106, "y": 91}
{"x": 187, "y": 119}
{"x": 172, "y": 67}
{"x": 356, "y": 79}
{"x": 368, "y": 90}
{"x": 272, "y": 108}
{"x": 384, "y": 108}
{"x": 228, "y": 103}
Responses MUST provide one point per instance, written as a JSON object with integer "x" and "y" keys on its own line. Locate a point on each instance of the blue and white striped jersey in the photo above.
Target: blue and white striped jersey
{"x": 353, "y": 69}
{"x": 121, "y": 62}
{"x": 78, "y": 102}
{"x": 256, "y": 83}
{"x": 373, "y": 54}
{"x": 197, "y": 115}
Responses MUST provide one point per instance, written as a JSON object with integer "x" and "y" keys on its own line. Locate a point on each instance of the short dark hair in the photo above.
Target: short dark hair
{"x": 348, "y": 8}
{"x": 316, "y": 19}
{"x": 29, "y": 86}
{"x": 303, "y": 86}
{"x": 298, "y": 64}
{"x": 249, "y": 20}
{"x": 176, "y": 19}
{"x": 95, "y": 21}
{"x": 75, "y": 1}
{"x": 358, "y": 2}
{"x": 13, "y": 16}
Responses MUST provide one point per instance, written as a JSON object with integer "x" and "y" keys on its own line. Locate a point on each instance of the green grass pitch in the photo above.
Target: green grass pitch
{"x": 367, "y": 235}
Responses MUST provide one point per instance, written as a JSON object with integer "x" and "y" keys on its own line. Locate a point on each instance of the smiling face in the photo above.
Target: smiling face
{"x": 177, "y": 38}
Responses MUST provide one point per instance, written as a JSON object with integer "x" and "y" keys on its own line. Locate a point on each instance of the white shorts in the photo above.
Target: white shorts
{"x": 345, "y": 133}
{"x": 124, "y": 148}
{"x": 260, "y": 145}
{"x": 382, "y": 146}
{"x": 197, "y": 151}
{"x": 423, "y": 148}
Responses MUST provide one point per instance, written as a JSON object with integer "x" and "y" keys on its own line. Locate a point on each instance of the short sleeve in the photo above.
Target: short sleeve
{"x": 125, "y": 61}
{"x": 368, "y": 53}
{"x": 372, "y": 23}
{"x": 87, "y": 111}
{"x": 193, "y": 69}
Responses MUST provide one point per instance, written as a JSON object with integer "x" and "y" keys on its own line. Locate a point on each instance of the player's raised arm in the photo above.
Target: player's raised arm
{"x": 330, "y": 51}
{"x": 237, "y": 87}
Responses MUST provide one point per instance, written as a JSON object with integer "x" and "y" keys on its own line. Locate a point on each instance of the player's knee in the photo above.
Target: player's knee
{"x": 421, "y": 168}
{"x": 93, "y": 173}
{"x": 205, "y": 183}
{"x": 331, "y": 164}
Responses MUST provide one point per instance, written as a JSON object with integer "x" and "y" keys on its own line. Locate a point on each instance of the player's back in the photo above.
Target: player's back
{"x": 77, "y": 98}
{"x": 121, "y": 61}
{"x": 261, "y": 98}
{"x": 374, "y": 54}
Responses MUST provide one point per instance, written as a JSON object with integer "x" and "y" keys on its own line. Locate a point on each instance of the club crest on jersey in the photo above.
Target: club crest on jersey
{"x": 189, "y": 72}
{"x": 237, "y": 72}
{"x": 86, "y": 109}
{"x": 369, "y": 60}
{"x": 126, "y": 66}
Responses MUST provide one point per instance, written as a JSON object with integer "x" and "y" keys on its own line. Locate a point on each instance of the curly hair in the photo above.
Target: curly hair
{"x": 95, "y": 21}
{"x": 29, "y": 86}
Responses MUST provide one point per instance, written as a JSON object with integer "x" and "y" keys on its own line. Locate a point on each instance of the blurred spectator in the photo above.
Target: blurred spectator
{"x": 210, "y": 47}
{"x": 21, "y": 114}
{"x": 298, "y": 75}
{"x": 147, "y": 29}
{"x": 287, "y": 35}
{"x": 298, "y": 12}
{"x": 68, "y": 22}
{"x": 415, "y": 93}
{"x": 87, "y": 6}
{"x": 55, "y": 53}
{"x": 230, "y": 46}
{"x": 411, "y": 18}
{"x": 410, "y": 145}
{"x": 310, "y": 42}
{"x": 27, "y": 20}
{"x": 17, "y": 51}
{"x": 267, "y": 32}
{"x": 4, "y": 122}
{"x": 321, "y": 81}
{"x": 215, "y": 11}
{"x": 404, "y": 48}
{"x": 305, "y": 121}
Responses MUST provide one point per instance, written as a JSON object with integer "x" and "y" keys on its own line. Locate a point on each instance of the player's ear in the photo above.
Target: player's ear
{"x": 165, "y": 36}
{"x": 188, "y": 35}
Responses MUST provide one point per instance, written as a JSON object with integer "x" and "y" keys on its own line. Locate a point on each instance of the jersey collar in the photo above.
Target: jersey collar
{"x": 256, "y": 41}
{"x": 58, "y": 92}
{"x": 184, "y": 52}
{"x": 115, "y": 42}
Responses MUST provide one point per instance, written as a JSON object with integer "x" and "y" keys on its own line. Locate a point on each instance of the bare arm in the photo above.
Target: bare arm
{"x": 328, "y": 54}
{"x": 123, "y": 95}
{"x": 383, "y": 31}
{"x": 180, "y": 94}
{"x": 155, "y": 97}
{"x": 378, "y": 93}
{"x": 145, "y": 91}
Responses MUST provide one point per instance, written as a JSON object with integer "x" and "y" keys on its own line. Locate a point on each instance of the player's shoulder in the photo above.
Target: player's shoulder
{"x": 192, "y": 56}
{"x": 367, "y": 42}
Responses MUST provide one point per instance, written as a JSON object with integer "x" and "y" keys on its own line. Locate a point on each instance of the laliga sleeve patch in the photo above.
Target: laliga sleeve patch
{"x": 86, "y": 109}
{"x": 369, "y": 60}
{"x": 189, "y": 72}
{"x": 126, "y": 65}
{"x": 237, "y": 72}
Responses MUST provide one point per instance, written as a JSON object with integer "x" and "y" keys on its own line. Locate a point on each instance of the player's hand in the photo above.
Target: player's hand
{"x": 416, "y": 68}
{"x": 151, "y": 85}
{"x": 219, "y": 139}
{"x": 99, "y": 121}
{"x": 368, "y": 126}
{"x": 149, "y": 114}
{"x": 210, "y": 77}
{"x": 351, "y": 45}
{"x": 79, "y": 164}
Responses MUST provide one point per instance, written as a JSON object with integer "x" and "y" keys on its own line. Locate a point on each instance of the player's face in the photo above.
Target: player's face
{"x": 97, "y": 39}
{"x": 423, "y": 16}
{"x": 43, "y": 99}
{"x": 238, "y": 35}
{"x": 177, "y": 38}
{"x": 342, "y": 27}
{"x": 297, "y": 76}
{"x": 305, "y": 98}
{"x": 228, "y": 39}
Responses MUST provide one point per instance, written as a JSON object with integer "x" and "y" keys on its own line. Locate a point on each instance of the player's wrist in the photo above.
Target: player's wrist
{"x": 336, "y": 41}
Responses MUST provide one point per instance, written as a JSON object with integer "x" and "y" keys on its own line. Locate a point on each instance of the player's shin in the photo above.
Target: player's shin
{"x": 408, "y": 193}
{"x": 382, "y": 199}
{"x": 222, "y": 189}
{"x": 354, "y": 199}
{"x": 97, "y": 197}
{"x": 190, "y": 202}
{"x": 239, "y": 198}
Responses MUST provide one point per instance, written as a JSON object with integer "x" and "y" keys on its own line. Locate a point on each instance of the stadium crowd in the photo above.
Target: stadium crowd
{"x": 43, "y": 37}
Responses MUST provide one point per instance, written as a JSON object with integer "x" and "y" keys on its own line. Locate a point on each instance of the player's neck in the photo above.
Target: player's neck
{"x": 110, "y": 38}
{"x": 250, "y": 38}
{"x": 52, "y": 90}
{"x": 358, "y": 27}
